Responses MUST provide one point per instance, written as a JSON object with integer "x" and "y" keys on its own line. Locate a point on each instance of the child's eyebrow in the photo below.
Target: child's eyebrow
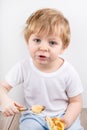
{"x": 54, "y": 39}
{"x": 36, "y": 35}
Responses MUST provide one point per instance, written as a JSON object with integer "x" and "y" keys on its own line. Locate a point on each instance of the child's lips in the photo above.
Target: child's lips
{"x": 42, "y": 57}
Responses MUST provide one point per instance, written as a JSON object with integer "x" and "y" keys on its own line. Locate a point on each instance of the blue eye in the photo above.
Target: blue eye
{"x": 52, "y": 43}
{"x": 37, "y": 40}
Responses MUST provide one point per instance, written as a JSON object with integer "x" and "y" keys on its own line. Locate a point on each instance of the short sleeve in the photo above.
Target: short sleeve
{"x": 15, "y": 77}
{"x": 74, "y": 85}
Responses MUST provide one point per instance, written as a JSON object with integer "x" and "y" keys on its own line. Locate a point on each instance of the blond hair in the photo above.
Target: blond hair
{"x": 48, "y": 22}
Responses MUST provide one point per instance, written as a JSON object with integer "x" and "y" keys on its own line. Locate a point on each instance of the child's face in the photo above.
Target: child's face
{"x": 45, "y": 50}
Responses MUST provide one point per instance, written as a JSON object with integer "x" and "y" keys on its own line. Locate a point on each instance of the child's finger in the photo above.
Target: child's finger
{"x": 18, "y": 105}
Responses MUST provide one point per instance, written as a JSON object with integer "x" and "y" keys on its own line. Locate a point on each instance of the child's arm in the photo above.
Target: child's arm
{"x": 73, "y": 110}
{"x": 9, "y": 107}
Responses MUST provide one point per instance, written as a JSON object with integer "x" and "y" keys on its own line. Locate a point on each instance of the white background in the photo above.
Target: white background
{"x": 13, "y": 14}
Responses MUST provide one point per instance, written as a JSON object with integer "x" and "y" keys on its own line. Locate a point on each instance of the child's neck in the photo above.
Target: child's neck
{"x": 50, "y": 67}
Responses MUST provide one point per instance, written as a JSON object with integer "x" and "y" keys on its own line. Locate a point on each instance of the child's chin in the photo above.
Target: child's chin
{"x": 43, "y": 62}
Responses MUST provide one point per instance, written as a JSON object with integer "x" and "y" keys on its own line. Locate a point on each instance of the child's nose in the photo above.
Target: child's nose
{"x": 44, "y": 47}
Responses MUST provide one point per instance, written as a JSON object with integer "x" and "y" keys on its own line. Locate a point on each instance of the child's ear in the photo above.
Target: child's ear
{"x": 27, "y": 43}
{"x": 62, "y": 50}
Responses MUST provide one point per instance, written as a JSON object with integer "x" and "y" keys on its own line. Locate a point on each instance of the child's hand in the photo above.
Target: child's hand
{"x": 66, "y": 123}
{"x": 10, "y": 107}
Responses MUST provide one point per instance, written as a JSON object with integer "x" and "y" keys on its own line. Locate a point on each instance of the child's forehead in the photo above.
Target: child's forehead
{"x": 51, "y": 36}
{"x": 46, "y": 34}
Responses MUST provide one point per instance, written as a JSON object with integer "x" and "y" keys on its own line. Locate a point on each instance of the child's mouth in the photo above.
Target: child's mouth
{"x": 42, "y": 57}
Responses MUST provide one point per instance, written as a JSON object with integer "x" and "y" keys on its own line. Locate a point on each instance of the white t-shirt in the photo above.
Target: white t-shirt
{"x": 51, "y": 90}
